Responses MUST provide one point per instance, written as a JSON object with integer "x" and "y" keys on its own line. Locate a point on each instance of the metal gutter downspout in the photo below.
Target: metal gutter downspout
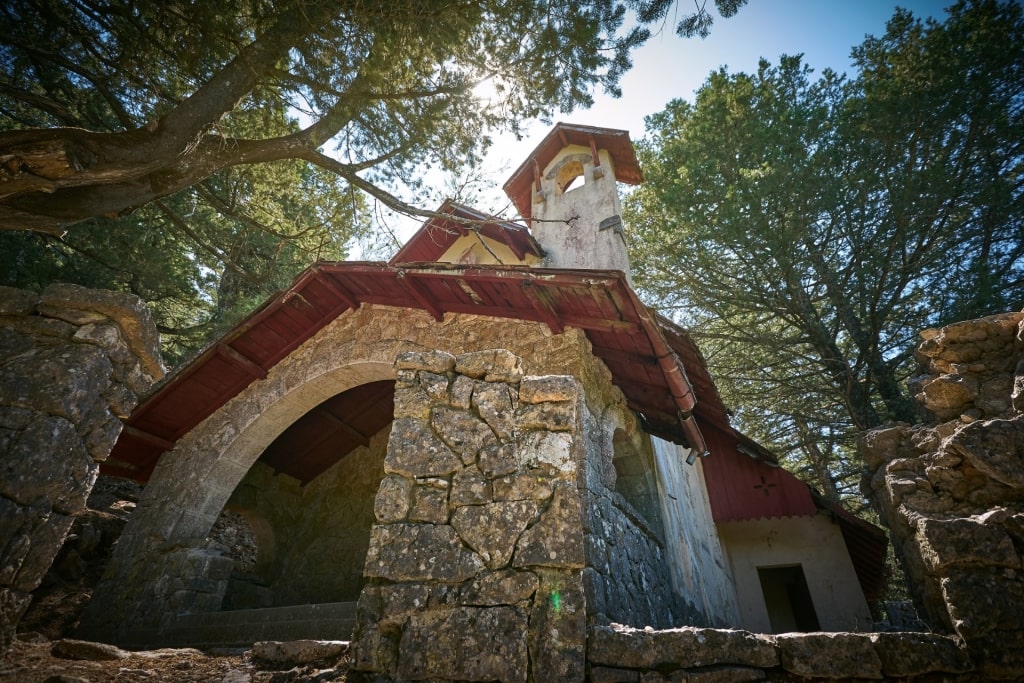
{"x": 675, "y": 376}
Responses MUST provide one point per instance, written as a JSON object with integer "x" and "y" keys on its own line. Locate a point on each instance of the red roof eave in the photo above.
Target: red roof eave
{"x": 623, "y": 332}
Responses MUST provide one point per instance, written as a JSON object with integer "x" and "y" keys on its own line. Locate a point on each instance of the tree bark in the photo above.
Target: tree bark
{"x": 53, "y": 178}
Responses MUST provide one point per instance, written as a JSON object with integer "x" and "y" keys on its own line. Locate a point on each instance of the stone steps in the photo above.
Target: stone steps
{"x": 242, "y": 628}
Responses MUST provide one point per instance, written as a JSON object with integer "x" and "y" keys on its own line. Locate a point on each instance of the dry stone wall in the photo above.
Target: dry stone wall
{"x": 620, "y": 654}
{"x": 475, "y": 562}
{"x": 951, "y": 490}
{"x": 73, "y": 362}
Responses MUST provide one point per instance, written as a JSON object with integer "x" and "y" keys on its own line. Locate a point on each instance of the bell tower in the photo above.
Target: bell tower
{"x": 567, "y": 191}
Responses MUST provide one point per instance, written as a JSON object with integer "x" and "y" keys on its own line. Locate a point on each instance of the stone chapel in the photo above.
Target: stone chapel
{"x": 467, "y": 456}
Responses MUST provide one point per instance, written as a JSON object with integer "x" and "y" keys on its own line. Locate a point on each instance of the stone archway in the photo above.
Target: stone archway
{"x": 159, "y": 557}
{"x": 313, "y": 490}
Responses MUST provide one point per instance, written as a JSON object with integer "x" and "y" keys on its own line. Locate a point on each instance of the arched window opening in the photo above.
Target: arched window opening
{"x": 634, "y": 478}
{"x": 569, "y": 176}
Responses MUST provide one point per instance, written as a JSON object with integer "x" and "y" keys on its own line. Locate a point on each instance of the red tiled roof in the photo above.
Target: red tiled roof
{"x": 520, "y": 186}
{"x": 436, "y": 235}
{"x": 622, "y": 331}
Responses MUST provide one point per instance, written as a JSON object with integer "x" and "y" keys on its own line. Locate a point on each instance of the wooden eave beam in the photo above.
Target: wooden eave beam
{"x": 361, "y": 438}
{"x": 408, "y": 283}
{"x": 335, "y": 288}
{"x": 149, "y": 438}
{"x": 249, "y": 366}
{"x": 541, "y": 303}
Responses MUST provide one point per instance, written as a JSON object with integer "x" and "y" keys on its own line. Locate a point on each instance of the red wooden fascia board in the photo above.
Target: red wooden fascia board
{"x": 626, "y": 310}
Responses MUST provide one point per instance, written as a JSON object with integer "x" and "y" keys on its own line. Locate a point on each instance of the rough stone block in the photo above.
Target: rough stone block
{"x": 41, "y": 380}
{"x": 558, "y": 627}
{"x": 966, "y": 541}
{"x": 435, "y": 386}
{"x": 46, "y": 464}
{"x": 462, "y": 432}
{"x": 462, "y": 392}
{"x": 522, "y": 487}
{"x": 504, "y": 587}
{"x": 435, "y": 361}
{"x": 498, "y": 460}
{"x": 470, "y": 488}
{"x": 491, "y": 365}
{"x": 393, "y": 498}
{"x": 539, "y": 449}
{"x": 724, "y": 674}
{"x": 556, "y": 540}
{"x": 412, "y": 401}
{"x": 686, "y": 647}
{"x": 297, "y": 652}
{"x": 493, "y": 401}
{"x": 829, "y": 655}
{"x": 994, "y": 447}
{"x": 419, "y": 552}
{"x": 915, "y": 654}
{"x": 603, "y": 674}
{"x": 127, "y": 310}
{"x": 948, "y": 395}
{"x": 493, "y": 529}
{"x": 545, "y": 388}
{"x": 415, "y": 451}
{"x": 84, "y": 650}
{"x": 429, "y": 504}
{"x": 556, "y": 417}
{"x": 984, "y": 600}
{"x": 465, "y": 644}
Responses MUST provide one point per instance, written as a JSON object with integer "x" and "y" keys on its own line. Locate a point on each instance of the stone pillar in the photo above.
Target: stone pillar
{"x": 952, "y": 491}
{"x": 475, "y": 561}
{"x": 73, "y": 361}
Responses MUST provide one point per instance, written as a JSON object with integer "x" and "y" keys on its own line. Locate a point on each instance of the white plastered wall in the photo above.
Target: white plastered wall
{"x": 568, "y": 224}
{"x": 477, "y": 249}
{"x": 816, "y": 544}
{"x": 696, "y": 559}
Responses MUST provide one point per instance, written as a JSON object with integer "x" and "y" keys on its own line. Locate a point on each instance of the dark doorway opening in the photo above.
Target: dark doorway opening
{"x": 787, "y": 599}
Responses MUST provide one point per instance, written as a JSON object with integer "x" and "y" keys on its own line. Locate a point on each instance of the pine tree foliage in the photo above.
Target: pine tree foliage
{"x": 808, "y": 227}
{"x": 200, "y": 154}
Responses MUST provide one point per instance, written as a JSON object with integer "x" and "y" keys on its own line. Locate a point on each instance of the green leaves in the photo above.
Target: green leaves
{"x": 808, "y": 227}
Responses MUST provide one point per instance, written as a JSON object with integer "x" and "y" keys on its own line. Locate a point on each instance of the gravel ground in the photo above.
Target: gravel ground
{"x": 49, "y": 662}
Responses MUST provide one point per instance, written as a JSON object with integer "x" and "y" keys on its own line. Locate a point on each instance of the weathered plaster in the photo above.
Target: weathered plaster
{"x": 694, "y": 551}
{"x": 568, "y": 224}
{"x": 814, "y": 543}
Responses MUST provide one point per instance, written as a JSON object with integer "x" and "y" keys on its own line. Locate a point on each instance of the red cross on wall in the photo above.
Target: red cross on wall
{"x": 764, "y": 486}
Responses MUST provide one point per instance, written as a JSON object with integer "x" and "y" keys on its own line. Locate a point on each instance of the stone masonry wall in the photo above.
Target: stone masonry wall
{"x": 193, "y": 482}
{"x": 475, "y": 562}
{"x": 619, "y": 654}
{"x": 72, "y": 362}
{"x": 951, "y": 490}
{"x": 627, "y": 576}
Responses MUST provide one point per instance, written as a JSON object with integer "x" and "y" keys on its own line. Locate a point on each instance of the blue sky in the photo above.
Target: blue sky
{"x": 668, "y": 67}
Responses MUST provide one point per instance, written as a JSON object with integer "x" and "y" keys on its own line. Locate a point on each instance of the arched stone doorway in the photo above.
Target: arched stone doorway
{"x": 309, "y": 500}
